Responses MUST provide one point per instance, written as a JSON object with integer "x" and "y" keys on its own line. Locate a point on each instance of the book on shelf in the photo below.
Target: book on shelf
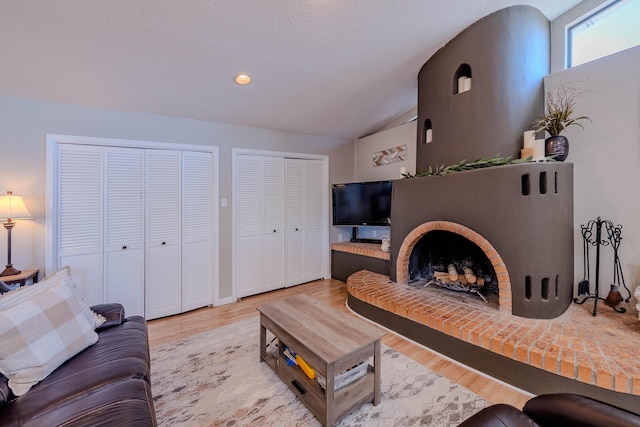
{"x": 290, "y": 356}
{"x": 346, "y": 377}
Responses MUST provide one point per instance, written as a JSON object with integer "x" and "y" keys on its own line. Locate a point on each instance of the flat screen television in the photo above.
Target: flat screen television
{"x": 362, "y": 203}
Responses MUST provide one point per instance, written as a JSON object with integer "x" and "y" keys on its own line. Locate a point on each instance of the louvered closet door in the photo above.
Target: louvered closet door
{"x": 163, "y": 227}
{"x": 124, "y": 228}
{"x": 197, "y": 229}
{"x": 295, "y": 220}
{"x": 79, "y": 222}
{"x": 273, "y": 223}
{"x": 315, "y": 212}
{"x": 248, "y": 202}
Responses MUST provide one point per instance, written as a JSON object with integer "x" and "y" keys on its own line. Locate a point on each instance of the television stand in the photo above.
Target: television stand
{"x": 361, "y": 240}
{"x": 355, "y": 238}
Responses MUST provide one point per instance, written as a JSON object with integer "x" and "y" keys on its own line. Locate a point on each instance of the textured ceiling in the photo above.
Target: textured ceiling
{"x": 340, "y": 68}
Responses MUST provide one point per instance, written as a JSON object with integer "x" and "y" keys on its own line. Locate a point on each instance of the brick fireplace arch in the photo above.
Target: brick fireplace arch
{"x": 402, "y": 263}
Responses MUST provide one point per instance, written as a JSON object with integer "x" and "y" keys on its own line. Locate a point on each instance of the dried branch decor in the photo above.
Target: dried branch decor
{"x": 560, "y": 106}
{"x": 463, "y": 165}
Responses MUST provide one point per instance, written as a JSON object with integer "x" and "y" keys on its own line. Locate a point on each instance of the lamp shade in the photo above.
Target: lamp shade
{"x": 12, "y": 207}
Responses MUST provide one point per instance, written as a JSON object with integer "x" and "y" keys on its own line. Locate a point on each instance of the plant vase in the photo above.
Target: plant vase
{"x": 556, "y": 147}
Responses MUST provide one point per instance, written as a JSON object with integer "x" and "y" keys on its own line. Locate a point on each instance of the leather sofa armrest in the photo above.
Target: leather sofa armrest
{"x": 499, "y": 415}
{"x": 113, "y": 312}
{"x": 565, "y": 409}
{"x": 5, "y": 391}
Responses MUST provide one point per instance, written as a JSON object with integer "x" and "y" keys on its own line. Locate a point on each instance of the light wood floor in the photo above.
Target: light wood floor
{"x": 334, "y": 293}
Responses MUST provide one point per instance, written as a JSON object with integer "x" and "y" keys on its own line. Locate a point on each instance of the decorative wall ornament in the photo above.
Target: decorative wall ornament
{"x": 390, "y": 155}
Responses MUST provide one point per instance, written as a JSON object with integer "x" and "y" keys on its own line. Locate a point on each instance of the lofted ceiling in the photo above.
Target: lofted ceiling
{"x": 342, "y": 68}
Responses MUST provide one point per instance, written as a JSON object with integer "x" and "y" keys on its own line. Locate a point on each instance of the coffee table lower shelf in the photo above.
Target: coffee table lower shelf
{"x": 330, "y": 342}
{"x": 316, "y": 398}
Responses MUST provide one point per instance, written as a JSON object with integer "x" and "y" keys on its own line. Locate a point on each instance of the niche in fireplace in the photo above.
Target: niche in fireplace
{"x": 447, "y": 260}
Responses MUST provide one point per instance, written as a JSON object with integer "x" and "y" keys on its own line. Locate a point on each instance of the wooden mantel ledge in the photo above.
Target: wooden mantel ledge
{"x": 365, "y": 249}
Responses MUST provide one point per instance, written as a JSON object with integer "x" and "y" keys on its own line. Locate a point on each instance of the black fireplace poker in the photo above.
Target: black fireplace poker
{"x": 614, "y": 236}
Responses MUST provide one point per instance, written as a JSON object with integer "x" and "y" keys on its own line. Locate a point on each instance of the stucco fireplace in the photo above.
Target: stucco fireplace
{"x": 520, "y": 217}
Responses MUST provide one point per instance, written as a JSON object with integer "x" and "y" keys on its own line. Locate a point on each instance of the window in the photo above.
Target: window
{"x": 608, "y": 30}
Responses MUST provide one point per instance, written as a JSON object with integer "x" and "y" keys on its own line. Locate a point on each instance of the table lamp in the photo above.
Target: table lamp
{"x": 11, "y": 207}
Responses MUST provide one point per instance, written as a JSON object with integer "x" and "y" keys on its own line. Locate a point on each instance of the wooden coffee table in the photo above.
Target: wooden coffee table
{"x": 330, "y": 341}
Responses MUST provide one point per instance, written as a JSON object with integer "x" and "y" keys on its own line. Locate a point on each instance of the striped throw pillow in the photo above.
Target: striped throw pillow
{"x": 41, "y": 333}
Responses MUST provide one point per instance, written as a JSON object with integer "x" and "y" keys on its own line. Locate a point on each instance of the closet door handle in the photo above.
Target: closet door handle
{"x": 296, "y": 229}
{"x": 124, "y": 247}
{"x": 164, "y": 243}
{"x": 274, "y": 231}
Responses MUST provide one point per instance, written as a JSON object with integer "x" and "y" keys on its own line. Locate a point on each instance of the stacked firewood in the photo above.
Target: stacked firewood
{"x": 465, "y": 281}
{"x": 467, "y": 278}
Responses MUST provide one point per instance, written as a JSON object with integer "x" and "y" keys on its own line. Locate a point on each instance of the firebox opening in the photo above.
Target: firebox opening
{"x": 443, "y": 259}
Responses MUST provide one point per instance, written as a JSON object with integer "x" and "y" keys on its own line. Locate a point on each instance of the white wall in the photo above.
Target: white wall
{"x": 606, "y": 157}
{"x": 365, "y": 170}
{"x": 365, "y": 147}
{"x": 24, "y": 124}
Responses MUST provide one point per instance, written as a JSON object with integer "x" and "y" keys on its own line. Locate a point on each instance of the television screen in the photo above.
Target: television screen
{"x": 362, "y": 203}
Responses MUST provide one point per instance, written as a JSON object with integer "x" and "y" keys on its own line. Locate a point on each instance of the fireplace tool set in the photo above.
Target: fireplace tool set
{"x": 613, "y": 238}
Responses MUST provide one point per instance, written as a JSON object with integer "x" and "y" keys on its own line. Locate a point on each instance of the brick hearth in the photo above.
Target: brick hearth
{"x": 600, "y": 351}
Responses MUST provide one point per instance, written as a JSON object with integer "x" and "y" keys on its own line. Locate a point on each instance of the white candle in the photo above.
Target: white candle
{"x": 529, "y": 138}
{"x": 429, "y": 136}
{"x": 461, "y": 84}
{"x": 467, "y": 84}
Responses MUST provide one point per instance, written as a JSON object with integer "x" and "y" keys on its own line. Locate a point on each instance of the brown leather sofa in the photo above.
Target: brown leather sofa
{"x": 555, "y": 410}
{"x": 107, "y": 384}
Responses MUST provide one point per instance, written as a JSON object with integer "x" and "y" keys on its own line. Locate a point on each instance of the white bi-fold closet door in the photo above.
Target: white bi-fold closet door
{"x": 305, "y": 220}
{"x": 280, "y": 222}
{"x": 123, "y": 199}
{"x": 163, "y": 224}
{"x": 260, "y": 226}
{"x": 136, "y": 226}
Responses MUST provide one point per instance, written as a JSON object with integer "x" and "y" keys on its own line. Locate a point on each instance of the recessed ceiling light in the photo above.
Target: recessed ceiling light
{"x": 243, "y": 79}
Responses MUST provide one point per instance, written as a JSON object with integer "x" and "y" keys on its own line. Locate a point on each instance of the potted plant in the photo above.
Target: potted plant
{"x": 560, "y": 106}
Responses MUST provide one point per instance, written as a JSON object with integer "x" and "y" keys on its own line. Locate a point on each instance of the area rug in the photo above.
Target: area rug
{"x": 215, "y": 378}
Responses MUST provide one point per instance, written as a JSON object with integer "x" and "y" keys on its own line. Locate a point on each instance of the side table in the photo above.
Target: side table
{"x": 21, "y": 278}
